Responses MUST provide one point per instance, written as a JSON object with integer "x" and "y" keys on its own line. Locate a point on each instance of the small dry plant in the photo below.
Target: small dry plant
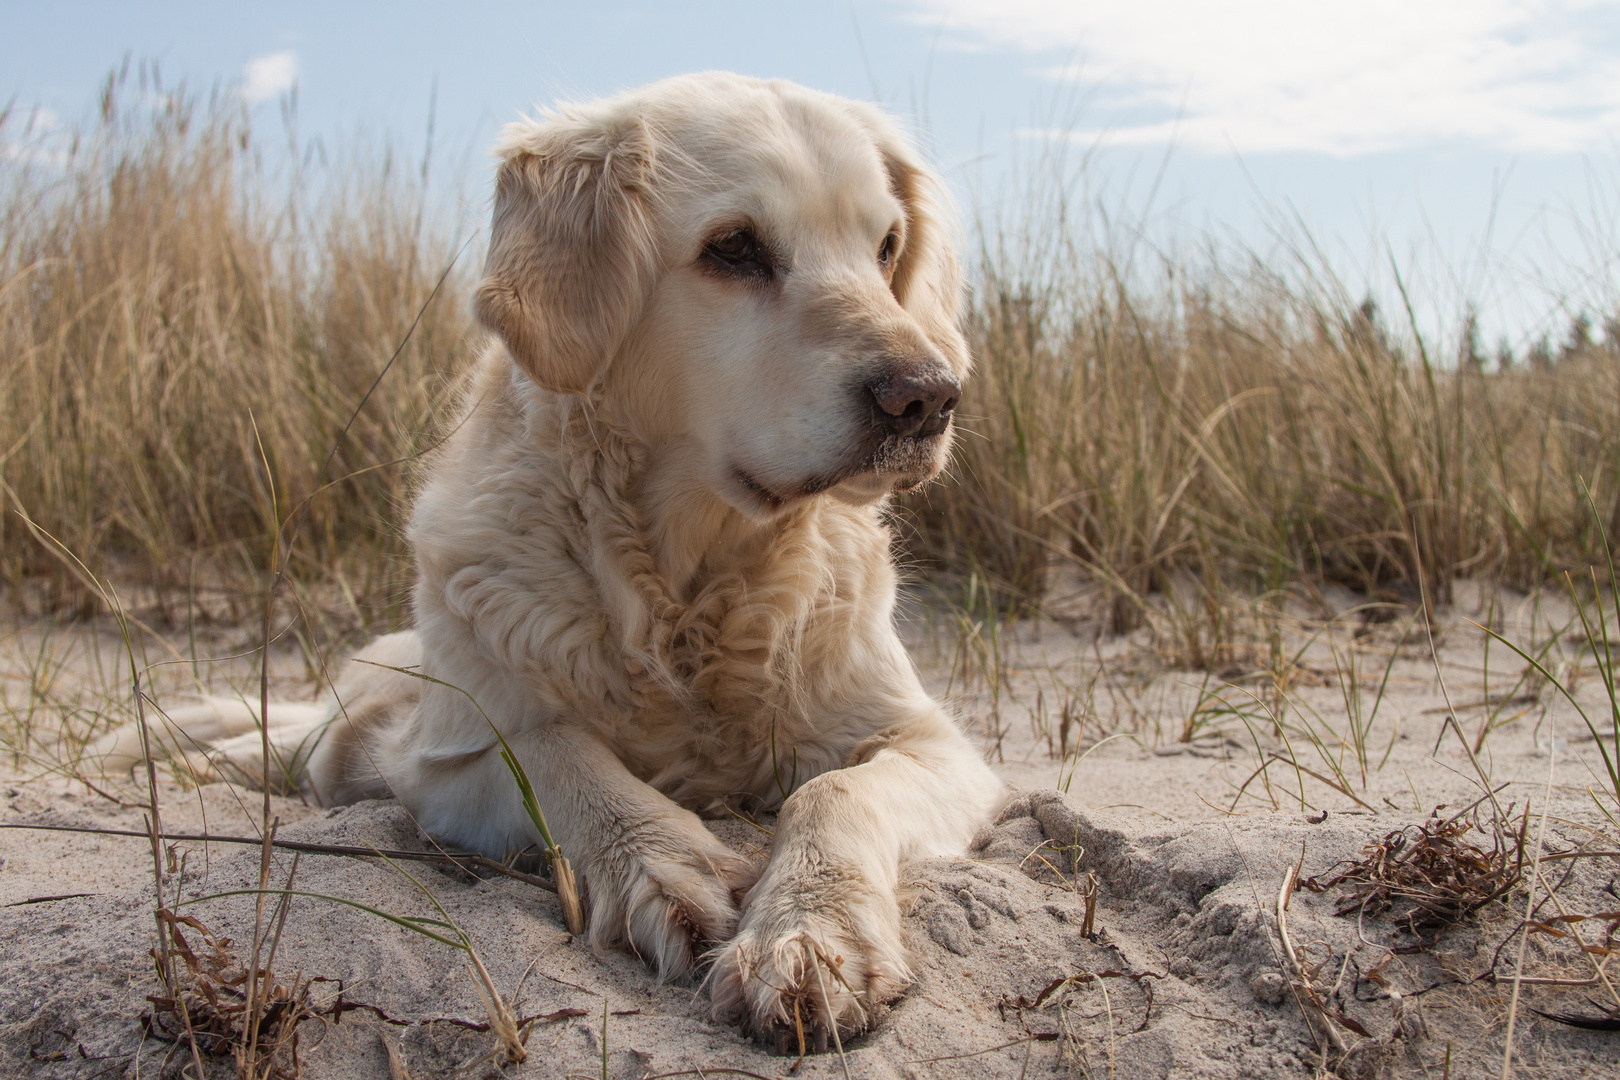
{"x": 204, "y": 1008}
{"x": 1426, "y": 877}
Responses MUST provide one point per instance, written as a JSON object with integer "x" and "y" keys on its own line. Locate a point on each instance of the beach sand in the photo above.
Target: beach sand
{"x": 1182, "y": 972}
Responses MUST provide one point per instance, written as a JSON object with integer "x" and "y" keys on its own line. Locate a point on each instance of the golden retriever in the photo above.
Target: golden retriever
{"x": 723, "y": 319}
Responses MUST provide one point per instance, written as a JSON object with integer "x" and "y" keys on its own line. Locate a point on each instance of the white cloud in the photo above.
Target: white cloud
{"x": 268, "y": 76}
{"x": 1341, "y": 78}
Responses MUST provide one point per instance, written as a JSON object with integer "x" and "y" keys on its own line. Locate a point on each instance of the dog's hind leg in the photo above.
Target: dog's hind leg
{"x": 295, "y": 731}
{"x": 322, "y": 748}
{"x": 196, "y": 732}
{"x": 374, "y": 697}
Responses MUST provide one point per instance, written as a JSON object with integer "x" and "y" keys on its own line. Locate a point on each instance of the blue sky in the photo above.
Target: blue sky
{"x": 1475, "y": 141}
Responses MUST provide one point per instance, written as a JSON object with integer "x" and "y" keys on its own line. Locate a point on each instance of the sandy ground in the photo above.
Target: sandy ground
{"x": 1181, "y": 975}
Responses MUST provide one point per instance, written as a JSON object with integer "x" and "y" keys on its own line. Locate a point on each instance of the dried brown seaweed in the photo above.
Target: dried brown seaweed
{"x": 1427, "y": 877}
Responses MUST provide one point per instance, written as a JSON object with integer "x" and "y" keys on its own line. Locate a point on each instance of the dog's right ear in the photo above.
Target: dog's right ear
{"x": 571, "y": 252}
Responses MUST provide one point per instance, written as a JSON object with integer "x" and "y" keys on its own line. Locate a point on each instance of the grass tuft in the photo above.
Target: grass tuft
{"x": 185, "y": 328}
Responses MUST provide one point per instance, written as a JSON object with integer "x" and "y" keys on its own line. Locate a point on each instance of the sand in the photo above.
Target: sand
{"x": 1181, "y": 975}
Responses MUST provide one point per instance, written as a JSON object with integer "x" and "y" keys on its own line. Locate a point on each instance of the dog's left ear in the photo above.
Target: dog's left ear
{"x": 927, "y": 275}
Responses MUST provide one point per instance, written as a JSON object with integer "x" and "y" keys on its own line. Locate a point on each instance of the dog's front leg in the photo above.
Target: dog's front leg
{"x": 819, "y": 941}
{"x": 656, "y": 880}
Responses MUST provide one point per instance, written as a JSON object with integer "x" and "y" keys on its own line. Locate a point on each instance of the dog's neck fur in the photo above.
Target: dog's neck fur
{"x": 707, "y": 588}
{"x": 691, "y": 534}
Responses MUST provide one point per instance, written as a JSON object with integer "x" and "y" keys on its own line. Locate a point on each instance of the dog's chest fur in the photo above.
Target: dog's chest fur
{"x": 730, "y": 687}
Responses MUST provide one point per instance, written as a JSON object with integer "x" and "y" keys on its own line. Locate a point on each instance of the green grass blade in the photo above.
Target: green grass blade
{"x": 531, "y": 804}
{"x": 413, "y": 924}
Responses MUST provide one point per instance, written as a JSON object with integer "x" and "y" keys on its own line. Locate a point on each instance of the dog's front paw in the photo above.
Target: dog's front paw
{"x": 669, "y": 896}
{"x": 818, "y": 948}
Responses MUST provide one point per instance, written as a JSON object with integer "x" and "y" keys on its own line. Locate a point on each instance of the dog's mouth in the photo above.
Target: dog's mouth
{"x": 768, "y": 498}
{"x": 894, "y": 464}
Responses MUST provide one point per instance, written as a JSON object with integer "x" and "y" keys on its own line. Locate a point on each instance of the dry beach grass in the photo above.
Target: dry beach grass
{"x": 1236, "y": 561}
{"x": 185, "y": 331}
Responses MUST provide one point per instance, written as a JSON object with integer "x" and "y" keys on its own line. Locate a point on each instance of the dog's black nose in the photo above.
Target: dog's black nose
{"x": 915, "y": 401}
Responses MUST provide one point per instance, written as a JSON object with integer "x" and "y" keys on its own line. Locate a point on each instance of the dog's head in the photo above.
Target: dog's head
{"x": 757, "y": 279}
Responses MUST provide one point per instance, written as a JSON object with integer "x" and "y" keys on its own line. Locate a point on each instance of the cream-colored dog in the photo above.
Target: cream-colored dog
{"x": 653, "y": 552}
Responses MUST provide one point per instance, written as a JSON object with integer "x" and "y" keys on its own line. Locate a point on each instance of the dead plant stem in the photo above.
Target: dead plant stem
{"x": 1529, "y": 912}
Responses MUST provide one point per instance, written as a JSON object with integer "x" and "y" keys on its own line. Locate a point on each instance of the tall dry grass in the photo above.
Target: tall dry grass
{"x": 1171, "y": 425}
{"x": 184, "y": 333}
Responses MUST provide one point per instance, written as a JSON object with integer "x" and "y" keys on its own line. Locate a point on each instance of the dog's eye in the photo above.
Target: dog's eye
{"x": 886, "y": 250}
{"x": 740, "y": 254}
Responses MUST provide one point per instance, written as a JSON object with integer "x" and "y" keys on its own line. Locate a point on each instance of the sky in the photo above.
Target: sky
{"x": 1474, "y": 144}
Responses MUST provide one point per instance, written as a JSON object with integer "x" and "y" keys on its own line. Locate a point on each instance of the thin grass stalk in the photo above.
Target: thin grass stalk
{"x": 567, "y": 883}
{"x": 153, "y": 820}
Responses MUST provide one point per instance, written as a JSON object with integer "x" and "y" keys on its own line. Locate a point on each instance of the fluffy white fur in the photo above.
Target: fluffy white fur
{"x": 654, "y": 553}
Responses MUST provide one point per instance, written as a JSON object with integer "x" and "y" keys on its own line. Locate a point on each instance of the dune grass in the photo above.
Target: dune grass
{"x": 1251, "y": 430}
{"x": 185, "y": 330}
